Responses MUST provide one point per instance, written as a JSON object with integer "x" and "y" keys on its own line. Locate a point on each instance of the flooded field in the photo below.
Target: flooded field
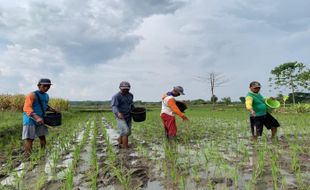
{"x": 213, "y": 151}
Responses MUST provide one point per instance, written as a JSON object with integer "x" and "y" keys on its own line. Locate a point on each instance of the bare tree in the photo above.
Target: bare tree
{"x": 214, "y": 80}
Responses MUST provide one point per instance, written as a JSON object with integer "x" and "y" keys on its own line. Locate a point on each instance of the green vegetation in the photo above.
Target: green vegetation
{"x": 292, "y": 75}
{"x": 16, "y": 103}
{"x": 213, "y": 150}
{"x": 219, "y": 141}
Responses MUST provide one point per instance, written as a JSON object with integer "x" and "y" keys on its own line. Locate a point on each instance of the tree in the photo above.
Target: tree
{"x": 292, "y": 75}
{"x": 214, "y": 80}
{"x": 300, "y": 97}
{"x": 226, "y": 100}
{"x": 279, "y": 97}
{"x": 242, "y": 99}
{"x": 214, "y": 99}
{"x": 198, "y": 102}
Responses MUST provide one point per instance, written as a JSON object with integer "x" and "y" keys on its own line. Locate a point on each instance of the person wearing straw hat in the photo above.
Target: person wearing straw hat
{"x": 122, "y": 104}
{"x": 169, "y": 109}
{"x": 33, "y": 123}
{"x": 259, "y": 116}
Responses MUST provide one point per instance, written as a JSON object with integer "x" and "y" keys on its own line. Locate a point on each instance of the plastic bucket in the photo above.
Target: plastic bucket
{"x": 273, "y": 104}
{"x": 52, "y": 119}
{"x": 138, "y": 114}
{"x": 181, "y": 105}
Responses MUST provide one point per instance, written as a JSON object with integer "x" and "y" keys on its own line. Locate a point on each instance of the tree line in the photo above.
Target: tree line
{"x": 294, "y": 76}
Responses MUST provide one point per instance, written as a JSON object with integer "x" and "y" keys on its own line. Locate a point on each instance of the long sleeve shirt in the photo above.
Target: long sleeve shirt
{"x": 32, "y": 105}
{"x": 169, "y": 106}
{"x": 122, "y": 103}
{"x": 29, "y": 100}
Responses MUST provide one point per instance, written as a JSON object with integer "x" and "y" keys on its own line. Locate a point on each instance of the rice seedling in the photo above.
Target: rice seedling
{"x": 254, "y": 176}
{"x": 123, "y": 176}
{"x": 41, "y": 181}
{"x": 18, "y": 179}
{"x": 94, "y": 163}
{"x": 55, "y": 158}
{"x": 216, "y": 146}
{"x": 76, "y": 156}
{"x": 235, "y": 175}
{"x": 182, "y": 182}
{"x": 261, "y": 162}
{"x": 195, "y": 172}
{"x": 69, "y": 179}
{"x": 283, "y": 183}
{"x": 274, "y": 169}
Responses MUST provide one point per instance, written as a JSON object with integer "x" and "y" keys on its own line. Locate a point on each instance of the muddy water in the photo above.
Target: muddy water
{"x": 44, "y": 166}
{"x": 67, "y": 159}
{"x": 163, "y": 181}
{"x": 150, "y": 169}
{"x": 156, "y": 152}
{"x": 81, "y": 179}
{"x": 17, "y": 172}
{"x": 130, "y": 160}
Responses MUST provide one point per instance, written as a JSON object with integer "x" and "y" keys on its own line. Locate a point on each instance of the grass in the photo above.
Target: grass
{"x": 10, "y": 126}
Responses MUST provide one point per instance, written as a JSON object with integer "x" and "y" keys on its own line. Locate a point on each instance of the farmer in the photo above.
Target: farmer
{"x": 122, "y": 104}
{"x": 33, "y": 123}
{"x": 169, "y": 109}
{"x": 255, "y": 103}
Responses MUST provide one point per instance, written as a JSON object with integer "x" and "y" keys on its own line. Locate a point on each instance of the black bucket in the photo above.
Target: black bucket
{"x": 52, "y": 119}
{"x": 181, "y": 105}
{"x": 138, "y": 114}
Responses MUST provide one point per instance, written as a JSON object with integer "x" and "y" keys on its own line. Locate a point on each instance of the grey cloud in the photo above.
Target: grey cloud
{"x": 9, "y": 84}
{"x": 87, "y": 32}
{"x": 92, "y": 52}
{"x": 241, "y": 39}
{"x": 28, "y": 64}
{"x": 150, "y": 7}
{"x": 282, "y": 14}
{"x": 240, "y": 30}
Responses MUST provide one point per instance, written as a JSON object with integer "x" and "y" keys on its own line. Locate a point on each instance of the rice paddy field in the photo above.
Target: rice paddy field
{"x": 212, "y": 151}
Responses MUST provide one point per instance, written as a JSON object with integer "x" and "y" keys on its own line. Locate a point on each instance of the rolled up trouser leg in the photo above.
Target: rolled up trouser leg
{"x": 123, "y": 127}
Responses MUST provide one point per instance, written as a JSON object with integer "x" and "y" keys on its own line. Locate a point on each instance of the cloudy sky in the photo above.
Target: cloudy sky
{"x": 87, "y": 47}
